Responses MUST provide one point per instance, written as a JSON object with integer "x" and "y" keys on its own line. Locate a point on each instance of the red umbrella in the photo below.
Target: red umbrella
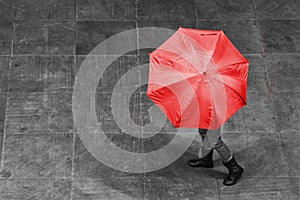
{"x": 197, "y": 78}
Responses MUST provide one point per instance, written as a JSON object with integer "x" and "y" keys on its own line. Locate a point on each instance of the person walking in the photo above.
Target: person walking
{"x": 212, "y": 140}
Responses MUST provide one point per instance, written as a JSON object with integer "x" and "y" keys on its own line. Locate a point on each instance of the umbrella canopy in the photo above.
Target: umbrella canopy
{"x": 197, "y": 78}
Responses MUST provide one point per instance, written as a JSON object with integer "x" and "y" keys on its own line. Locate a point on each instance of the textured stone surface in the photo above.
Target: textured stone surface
{"x": 32, "y": 37}
{"x": 291, "y": 152}
{"x": 106, "y": 10}
{"x": 28, "y": 156}
{"x": 230, "y": 9}
{"x": 2, "y": 110}
{"x": 46, "y": 9}
{"x": 4, "y": 73}
{"x": 180, "y": 188}
{"x": 38, "y": 113}
{"x": 42, "y": 73}
{"x": 92, "y": 33}
{"x": 113, "y": 188}
{"x": 87, "y": 166}
{"x": 287, "y": 111}
{"x": 282, "y": 36}
{"x": 35, "y": 189}
{"x": 257, "y": 188}
{"x": 284, "y": 72}
{"x": 6, "y": 29}
{"x": 277, "y": 9}
{"x": 7, "y": 11}
{"x": 168, "y": 10}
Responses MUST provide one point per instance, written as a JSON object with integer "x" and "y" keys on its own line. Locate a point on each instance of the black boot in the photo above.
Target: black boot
{"x": 206, "y": 161}
{"x": 235, "y": 172}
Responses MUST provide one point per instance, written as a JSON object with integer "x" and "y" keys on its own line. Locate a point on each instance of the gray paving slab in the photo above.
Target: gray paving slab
{"x": 35, "y": 188}
{"x": 6, "y": 30}
{"x": 225, "y": 9}
{"x": 39, "y": 113}
{"x": 7, "y": 11}
{"x": 287, "y": 111}
{"x": 106, "y": 10}
{"x": 156, "y": 10}
{"x": 33, "y": 73}
{"x": 291, "y": 149}
{"x": 38, "y": 156}
{"x": 44, "y": 37}
{"x": 278, "y": 9}
{"x": 283, "y": 72}
{"x": 280, "y": 36}
{"x": 111, "y": 188}
{"x": 45, "y": 10}
{"x": 257, "y": 188}
{"x": 86, "y": 166}
{"x": 92, "y": 33}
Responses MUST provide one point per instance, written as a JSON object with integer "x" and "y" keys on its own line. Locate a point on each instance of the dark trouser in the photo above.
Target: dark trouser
{"x": 211, "y": 139}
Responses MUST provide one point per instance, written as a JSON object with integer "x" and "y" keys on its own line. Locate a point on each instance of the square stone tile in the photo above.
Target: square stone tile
{"x": 225, "y": 9}
{"x": 3, "y": 97}
{"x": 113, "y": 188}
{"x": 168, "y": 10}
{"x": 6, "y": 29}
{"x": 32, "y": 37}
{"x": 243, "y": 34}
{"x": 91, "y": 33}
{"x": 42, "y": 73}
{"x": 46, "y": 9}
{"x": 38, "y": 155}
{"x": 257, "y": 83}
{"x": 36, "y": 113}
{"x": 287, "y": 111}
{"x": 4, "y": 73}
{"x": 117, "y": 76}
{"x": 278, "y": 9}
{"x": 280, "y": 36}
{"x": 260, "y": 154}
{"x": 35, "y": 189}
{"x": 284, "y": 72}
{"x": 295, "y": 187}
{"x": 257, "y": 188}
{"x": 88, "y": 166}
{"x": 180, "y": 188}
{"x": 106, "y": 10}
{"x": 257, "y": 116}
{"x": 290, "y": 146}
{"x": 7, "y": 11}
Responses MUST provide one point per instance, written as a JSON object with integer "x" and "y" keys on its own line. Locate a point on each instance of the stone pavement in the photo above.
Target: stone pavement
{"x": 42, "y": 45}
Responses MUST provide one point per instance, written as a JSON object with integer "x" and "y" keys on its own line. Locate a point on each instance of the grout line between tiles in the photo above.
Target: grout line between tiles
{"x": 7, "y": 91}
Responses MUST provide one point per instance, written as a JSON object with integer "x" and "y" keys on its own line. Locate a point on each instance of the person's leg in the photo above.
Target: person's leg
{"x": 235, "y": 170}
{"x": 206, "y": 160}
